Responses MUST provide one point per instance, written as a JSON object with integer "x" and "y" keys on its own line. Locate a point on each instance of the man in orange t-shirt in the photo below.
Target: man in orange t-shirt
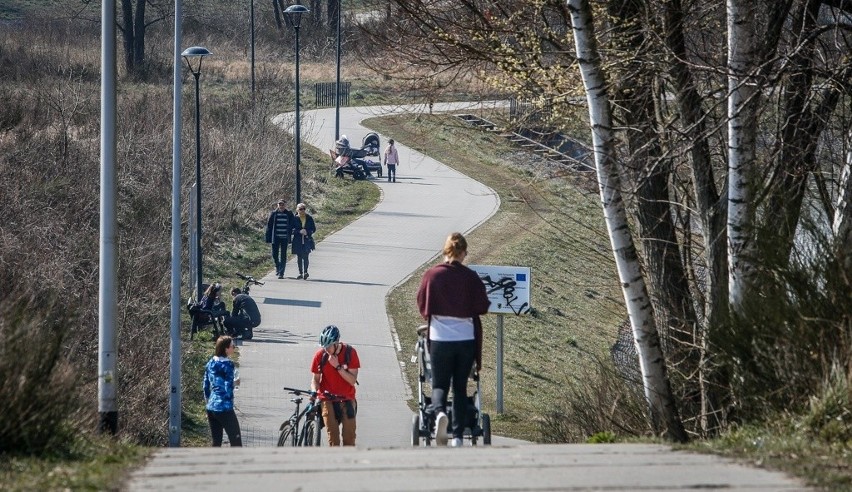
{"x": 335, "y": 368}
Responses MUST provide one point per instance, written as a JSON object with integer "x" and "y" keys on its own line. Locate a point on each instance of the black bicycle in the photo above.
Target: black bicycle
{"x": 310, "y": 418}
{"x": 249, "y": 281}
{"x": 309, "y": 434}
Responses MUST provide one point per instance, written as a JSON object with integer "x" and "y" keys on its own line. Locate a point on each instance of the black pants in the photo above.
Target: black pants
{"x": 228, "y": 422}
{"x": 452, "y": 361}
{"x": 239, "y": 326}
{"x": 391, "y": 173}
{"x": 302, "y": 260}
{"x": 279, "y": 255}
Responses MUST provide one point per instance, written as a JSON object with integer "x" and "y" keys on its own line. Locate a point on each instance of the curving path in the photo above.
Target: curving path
{"x": 352, "y": 272}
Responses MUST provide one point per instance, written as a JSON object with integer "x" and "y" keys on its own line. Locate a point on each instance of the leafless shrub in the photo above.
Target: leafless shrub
{"x": 797, "y": 336}
{"x": 38, "y": 387}
{"x": 596, "y": 402}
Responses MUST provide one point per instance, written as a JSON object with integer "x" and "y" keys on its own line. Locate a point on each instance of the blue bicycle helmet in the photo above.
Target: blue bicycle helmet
{"x": 329, "y": 336}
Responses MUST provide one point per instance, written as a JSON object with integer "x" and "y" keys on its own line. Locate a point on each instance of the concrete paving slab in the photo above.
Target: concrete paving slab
{"x": 614, "y": 467}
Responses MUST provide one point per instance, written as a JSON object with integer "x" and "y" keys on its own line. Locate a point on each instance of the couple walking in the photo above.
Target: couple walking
{"x": 284, "y": 226}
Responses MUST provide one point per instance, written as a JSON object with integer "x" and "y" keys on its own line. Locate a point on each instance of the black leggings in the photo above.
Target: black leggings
{"x": 451, "y": 360}
{"x": 302, "y": 261}
{"x": 228, "y": 422}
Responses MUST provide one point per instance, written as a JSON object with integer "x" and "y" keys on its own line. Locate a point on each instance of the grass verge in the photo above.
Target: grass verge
{"x": 548, "y": 220}
{"x": 97, "y": 463}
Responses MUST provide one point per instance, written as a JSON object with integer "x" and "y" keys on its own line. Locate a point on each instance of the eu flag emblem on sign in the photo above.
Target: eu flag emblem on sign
{"x": 521, "y": 277}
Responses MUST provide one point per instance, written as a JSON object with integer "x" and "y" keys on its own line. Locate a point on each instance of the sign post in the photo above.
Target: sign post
{"x": 508, "y": 289}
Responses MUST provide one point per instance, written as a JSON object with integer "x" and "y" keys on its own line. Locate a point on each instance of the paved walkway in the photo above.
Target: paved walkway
{"x": 352, "y": 272}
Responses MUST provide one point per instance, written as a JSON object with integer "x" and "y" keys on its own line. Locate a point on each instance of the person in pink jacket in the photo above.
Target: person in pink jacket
{"x": 391, "y": 161}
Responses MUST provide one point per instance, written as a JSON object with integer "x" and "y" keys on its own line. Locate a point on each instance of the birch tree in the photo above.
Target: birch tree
{"x": 842, "y": 224}
{"x": 661, "y": 403}
{"x": 742, "y": 128}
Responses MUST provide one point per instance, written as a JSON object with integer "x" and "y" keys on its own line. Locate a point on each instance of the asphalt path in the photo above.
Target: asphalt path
{"x": 351, "y": 273}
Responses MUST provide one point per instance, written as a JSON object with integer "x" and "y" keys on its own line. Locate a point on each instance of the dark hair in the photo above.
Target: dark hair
{"x": 390, "y": 141}
{"x": 222, "y": 344}
{"x": 235, "y": 290}
{"x": 455, "y": 245}
{"x": 213, "y": 289}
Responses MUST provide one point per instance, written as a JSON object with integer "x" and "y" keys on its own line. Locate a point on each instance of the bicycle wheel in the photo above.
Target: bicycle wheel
{"x": 319, "y": 426}
{"x": 309, "y": 433}
{"x": 286, "y": 436}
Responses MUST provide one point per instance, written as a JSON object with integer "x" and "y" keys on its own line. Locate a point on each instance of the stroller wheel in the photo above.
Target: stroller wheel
{"x": 415, "y": 430}
{"x": 486, "y": 429}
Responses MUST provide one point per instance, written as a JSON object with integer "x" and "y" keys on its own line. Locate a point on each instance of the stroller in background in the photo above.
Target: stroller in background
{"x": 478, "y": 424}
{"x": 353, "y": 161}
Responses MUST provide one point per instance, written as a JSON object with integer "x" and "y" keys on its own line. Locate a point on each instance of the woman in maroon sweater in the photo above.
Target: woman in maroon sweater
{"x": 451, "y": 298}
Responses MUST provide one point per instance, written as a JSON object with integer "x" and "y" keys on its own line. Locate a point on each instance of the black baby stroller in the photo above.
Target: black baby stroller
{"x": 353, "y": 161}
{"x": 423, "y": 422}
{"x": 202, "y": 318}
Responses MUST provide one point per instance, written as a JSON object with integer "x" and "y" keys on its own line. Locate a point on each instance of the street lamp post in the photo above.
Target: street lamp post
{"x": 197, "y": 53}
{"x": 337, "y": 83}
{"x": 252, "y": 53}
{"x": 294, "y": 15}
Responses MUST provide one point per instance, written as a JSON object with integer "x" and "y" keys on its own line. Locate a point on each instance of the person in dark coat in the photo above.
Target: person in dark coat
{"x": 451, "y": 298}
{"x": 245, "y": 316}
{"x": 279, "y": 228}
{"x": 303, "y": 240}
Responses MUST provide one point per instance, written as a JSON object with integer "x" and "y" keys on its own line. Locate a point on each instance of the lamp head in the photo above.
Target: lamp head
{"x": 294, "y": 14}
{"x": 192, "y": 54}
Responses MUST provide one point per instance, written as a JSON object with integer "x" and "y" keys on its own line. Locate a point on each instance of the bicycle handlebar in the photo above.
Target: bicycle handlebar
{"x": 328, "y": 396}
{"x": 296, "y": 391}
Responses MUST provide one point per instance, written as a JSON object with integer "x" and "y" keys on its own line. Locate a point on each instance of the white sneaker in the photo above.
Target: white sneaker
{"x": 457, "y": 442}
{"x": 441, "y": 422}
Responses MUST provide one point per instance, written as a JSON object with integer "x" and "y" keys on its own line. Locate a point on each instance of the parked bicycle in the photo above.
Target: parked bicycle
{"x": 310, "y": 418}
{"x": 249, "y": 281}
{"x": 304, "y": 428}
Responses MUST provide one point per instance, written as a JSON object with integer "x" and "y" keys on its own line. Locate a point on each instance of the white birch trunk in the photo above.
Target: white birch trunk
{"x": 742, "y": 128}
{"x": 663, "y": 410}
{"x": 842, "y": 227}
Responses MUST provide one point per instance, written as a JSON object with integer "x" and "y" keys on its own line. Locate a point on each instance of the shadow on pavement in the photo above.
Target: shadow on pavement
{"x": 292, "y": 302}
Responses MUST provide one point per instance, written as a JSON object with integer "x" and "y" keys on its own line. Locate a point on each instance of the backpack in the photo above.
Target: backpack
{"x": 347, "y": 356}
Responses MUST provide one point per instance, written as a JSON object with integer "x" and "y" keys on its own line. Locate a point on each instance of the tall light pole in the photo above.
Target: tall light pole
{"x": 294, "y": 15}
{"x": 337, "y": 86}
{"x": 107, "y": 302}
{"x": 191, "y": 55}
{"x": 174, "y": 332}
{"x": 252, "y": 53}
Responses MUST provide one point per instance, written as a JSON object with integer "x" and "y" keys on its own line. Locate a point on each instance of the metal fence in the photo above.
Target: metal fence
{"x": 325, "y": 93}
{"x": 525, "y": 112}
